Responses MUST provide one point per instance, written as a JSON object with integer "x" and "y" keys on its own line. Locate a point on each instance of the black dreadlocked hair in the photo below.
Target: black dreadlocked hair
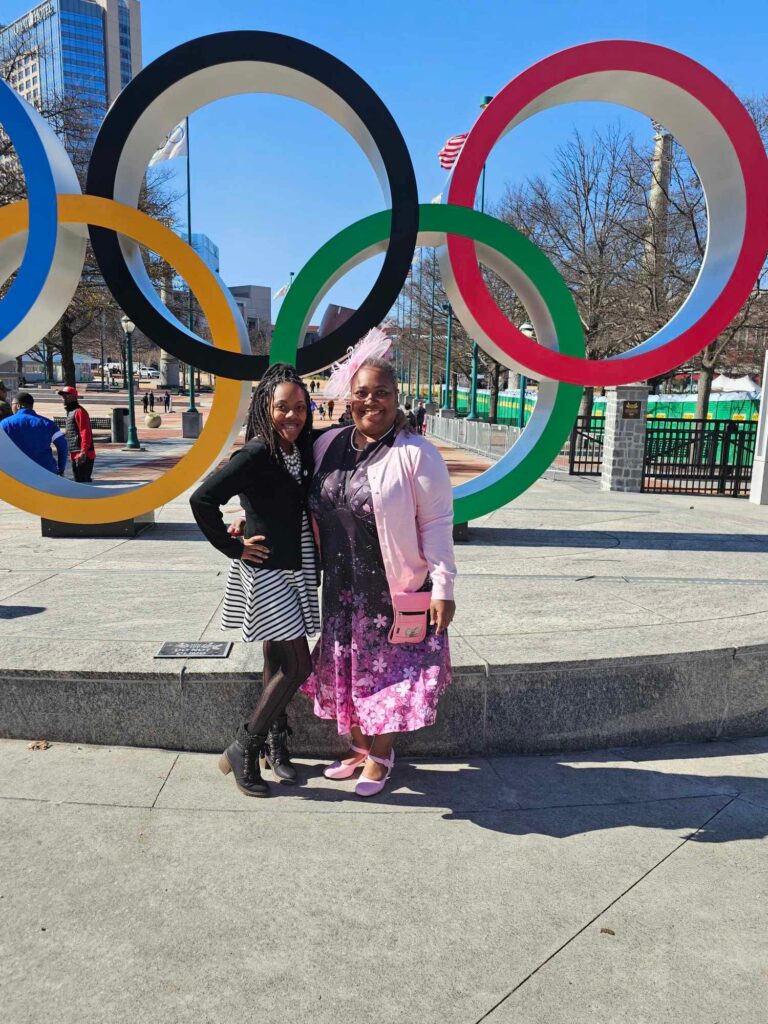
{"x": 259, "y": 423}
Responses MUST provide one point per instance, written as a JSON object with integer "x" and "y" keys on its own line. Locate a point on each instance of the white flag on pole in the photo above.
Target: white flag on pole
{"x": 175, "y": 144}
{"x": 282, "y": 291}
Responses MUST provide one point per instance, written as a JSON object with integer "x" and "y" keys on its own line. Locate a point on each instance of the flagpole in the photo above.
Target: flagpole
{"x": 472, "y": 415}
{"x": 190, "y": 316}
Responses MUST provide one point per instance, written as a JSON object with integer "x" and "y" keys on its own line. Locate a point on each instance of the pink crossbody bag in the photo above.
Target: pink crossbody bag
{"x": 411, "y": 619}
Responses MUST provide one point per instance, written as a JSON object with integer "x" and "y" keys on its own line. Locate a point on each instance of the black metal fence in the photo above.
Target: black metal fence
{"x": 97, "y": 422}
{"x": 699, "y": 456}
{"x": 585, "y": 453}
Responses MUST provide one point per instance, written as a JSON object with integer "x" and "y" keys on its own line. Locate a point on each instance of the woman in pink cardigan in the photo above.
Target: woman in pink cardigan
{"x": 383, "y": 507}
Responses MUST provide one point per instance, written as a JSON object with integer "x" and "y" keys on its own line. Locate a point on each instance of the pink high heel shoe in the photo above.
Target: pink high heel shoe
{"x": 368, "y": 787}
{"x": 339, "y": 770}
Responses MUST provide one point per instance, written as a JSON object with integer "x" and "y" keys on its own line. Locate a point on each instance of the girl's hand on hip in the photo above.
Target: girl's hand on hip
{"x": 441, "y": 614}
{"x": 254, "y": 551}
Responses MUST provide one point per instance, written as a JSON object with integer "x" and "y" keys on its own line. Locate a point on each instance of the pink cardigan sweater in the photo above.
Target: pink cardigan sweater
{"x": 413, "y": 507}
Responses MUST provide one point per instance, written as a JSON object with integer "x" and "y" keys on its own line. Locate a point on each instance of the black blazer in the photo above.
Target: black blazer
{"x": 272, "y": 500}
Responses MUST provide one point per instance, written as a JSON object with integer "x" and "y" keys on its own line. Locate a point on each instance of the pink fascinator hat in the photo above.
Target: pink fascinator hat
{"x": 375, "y": 345}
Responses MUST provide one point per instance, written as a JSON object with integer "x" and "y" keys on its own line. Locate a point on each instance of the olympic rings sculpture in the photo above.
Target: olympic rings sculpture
{"x": 43, "y": 239}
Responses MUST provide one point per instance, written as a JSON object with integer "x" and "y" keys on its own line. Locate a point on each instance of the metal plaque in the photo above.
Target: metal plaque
{"x": 195, "y": 649}
{"x": 631, "y": 410}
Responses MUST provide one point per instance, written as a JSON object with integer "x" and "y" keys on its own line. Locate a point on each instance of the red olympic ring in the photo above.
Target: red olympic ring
{"x": 707, "y": 118}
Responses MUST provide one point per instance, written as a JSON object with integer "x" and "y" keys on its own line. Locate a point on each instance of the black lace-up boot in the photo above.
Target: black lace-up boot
{"x": 276, "y": 753}
{"x": 242, "y": 758}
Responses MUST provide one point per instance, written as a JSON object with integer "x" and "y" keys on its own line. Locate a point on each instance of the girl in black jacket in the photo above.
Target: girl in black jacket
{"x": 272, "y": 584}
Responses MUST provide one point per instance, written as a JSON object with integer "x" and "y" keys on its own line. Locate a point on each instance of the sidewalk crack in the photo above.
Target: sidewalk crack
{"x": 605, "y": 909}
{"x": 157, "y": 797}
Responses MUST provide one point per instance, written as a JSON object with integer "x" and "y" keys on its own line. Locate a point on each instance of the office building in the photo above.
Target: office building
{"x": 206, "y": 249}
{"x": 255, "y": 304}
{"x": 85, "y": 48}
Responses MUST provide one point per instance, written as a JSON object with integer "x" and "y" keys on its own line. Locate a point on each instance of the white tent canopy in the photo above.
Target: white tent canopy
{"x": 741, "y": 385}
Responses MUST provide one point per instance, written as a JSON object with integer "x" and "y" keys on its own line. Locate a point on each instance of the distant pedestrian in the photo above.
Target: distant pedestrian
{"x": 170, "y": 403}
{"x": 346, "y": 417}
{"x": 151, "y": 401}
{"x": 145, "y": 402}
{"x": 34, "y": 435}
{"x": 313, "y": 406}
{"x": 321, "y": 410}
{"x": 410, "y": 416}
{"x": 167, "y": 401}
{"x": 330, "y": 408}
{"x": 5, "y": 405}
{"x": 79, "y": 436}
{"x": 421, "y": 414}
{"x": 312, "y": 387}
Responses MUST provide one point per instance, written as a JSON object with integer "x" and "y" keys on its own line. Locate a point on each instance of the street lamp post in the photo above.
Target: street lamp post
{"x": 132, "y": 444}
{"x": 191, "y": 418}
{"x": 446, "y": 407}
{"x": 529, "y": 332}
{"x": 472, "y": 415}
{"x": 102, "y": 350}
{"x": 431, "y": 334}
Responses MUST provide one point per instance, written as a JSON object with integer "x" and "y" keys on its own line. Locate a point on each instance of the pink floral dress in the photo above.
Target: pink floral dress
{"x": 360, "y": 678}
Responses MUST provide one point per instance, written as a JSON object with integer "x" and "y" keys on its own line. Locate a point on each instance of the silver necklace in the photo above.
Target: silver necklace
{"x": 292, "y": 460}
{"x": 365, "y": 446}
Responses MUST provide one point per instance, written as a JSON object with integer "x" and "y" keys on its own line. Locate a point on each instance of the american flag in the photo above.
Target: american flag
{"x": 449, "y": 154}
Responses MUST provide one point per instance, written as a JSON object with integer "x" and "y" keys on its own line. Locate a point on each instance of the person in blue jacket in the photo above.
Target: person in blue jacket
{"x": 35, "y": 434}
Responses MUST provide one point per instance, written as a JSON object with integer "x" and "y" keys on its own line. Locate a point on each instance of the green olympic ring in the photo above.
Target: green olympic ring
{"x": 524, "y": 267}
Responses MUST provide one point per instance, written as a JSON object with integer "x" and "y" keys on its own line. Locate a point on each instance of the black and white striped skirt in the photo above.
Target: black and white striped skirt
{"x": 274, "y": 604}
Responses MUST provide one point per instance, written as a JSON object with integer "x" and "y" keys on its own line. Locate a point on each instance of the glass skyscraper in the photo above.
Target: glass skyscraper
{"x": 85, "y": 48}
{"x": 205, "y": 248}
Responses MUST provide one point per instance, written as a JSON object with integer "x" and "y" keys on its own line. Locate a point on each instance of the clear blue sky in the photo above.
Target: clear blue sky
{"x": 273, "y": 179}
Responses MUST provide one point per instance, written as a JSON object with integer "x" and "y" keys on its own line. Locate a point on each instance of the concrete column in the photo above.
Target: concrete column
{"x": 191, "y": 423}
{"x": 624, "y": 440}
{"x": 758, "y": 492}
{"x": 169, "y": 370}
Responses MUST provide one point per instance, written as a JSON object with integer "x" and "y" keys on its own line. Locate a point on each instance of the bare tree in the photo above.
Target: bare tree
{"x": 626, "y": 228}
{"x": 577, "y": 216}
{"x": 684, "y": 242}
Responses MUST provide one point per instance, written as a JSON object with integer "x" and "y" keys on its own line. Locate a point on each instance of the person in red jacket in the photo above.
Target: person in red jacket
{"x": 79, "y": 436}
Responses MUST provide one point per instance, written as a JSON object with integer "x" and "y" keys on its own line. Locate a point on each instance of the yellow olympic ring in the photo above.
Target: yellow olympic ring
{"x": 229, "y": 399}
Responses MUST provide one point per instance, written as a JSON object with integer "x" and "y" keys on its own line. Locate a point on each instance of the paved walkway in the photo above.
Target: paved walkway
{"x": 164, "y": 445}
{"x": 566, "y": 572}
{"x": 620, "y": 887}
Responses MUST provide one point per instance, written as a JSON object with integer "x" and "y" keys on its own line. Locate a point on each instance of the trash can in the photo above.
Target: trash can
{"x": 119, "y": 426}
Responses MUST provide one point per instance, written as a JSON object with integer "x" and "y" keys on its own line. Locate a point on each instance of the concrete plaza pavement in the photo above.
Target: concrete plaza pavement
{"x": 624, "y": 886}
{"x": 584, "y": 619}
{"x": 565, "y": 571}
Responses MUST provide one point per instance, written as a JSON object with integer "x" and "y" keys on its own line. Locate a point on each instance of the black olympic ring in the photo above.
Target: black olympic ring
{"x": 209, "y": 67}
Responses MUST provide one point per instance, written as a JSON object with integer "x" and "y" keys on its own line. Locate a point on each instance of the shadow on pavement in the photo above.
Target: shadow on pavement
{"x": 643, "y": 540}
{"x": 19, "y": 611}
{"x": 561, "y": 798}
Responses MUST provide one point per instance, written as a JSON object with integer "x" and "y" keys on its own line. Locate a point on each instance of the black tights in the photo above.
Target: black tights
{"x": 286, "y": 665}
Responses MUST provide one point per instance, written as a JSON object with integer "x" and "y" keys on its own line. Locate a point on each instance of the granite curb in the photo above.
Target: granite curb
{"x": 500, "y": 709}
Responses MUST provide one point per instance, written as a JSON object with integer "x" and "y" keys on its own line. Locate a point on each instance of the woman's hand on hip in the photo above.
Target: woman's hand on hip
{"x": 236, "y": 528}
{"x": 441, "y": 614}
{"x": 254, "y": 551}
